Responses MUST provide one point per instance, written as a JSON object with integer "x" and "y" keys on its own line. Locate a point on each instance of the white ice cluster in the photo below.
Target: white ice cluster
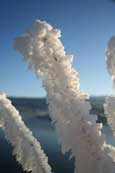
{"x": 27, "y": 149}
{"x": 110, "y": 59}
{"x": 68, "y": 106}
{"x": 110, "y": 101}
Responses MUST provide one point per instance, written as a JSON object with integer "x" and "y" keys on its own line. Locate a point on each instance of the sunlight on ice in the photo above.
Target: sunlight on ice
{"x": 68, "y": 106}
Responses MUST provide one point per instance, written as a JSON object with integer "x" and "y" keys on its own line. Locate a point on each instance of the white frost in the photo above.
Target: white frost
{"x": 110, "y": 59}
{"x": 109, "y": 106}
{"x": 27, "y": 149}
{"x": 69, "y": 110}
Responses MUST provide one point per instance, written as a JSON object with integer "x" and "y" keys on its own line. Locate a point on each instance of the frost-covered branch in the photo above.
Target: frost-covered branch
{"x": 69, "y": 110}
{"x": 110, "y": 101}
{"x": 27, "y": 149}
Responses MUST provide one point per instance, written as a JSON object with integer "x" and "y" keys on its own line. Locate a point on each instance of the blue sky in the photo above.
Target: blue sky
{"x": 86, "y": 27}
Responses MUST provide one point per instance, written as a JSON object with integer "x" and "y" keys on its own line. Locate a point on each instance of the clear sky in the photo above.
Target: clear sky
{"x": 86, "y": 27}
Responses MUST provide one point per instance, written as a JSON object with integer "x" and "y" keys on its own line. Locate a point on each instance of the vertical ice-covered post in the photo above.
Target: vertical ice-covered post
{"x": 68, "y": 106}
{"x": 110, "y": 101}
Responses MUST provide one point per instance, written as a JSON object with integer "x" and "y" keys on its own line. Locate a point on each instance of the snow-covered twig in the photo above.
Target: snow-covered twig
{"x": 109, "y": 105}
{"x": 68, "y": 105}
{"x": 27, "y": 149}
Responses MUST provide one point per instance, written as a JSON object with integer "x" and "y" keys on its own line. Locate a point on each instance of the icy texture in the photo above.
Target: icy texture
{"x": 27, "y": 149}
{"x": 110, "y": 59}
{"x": 69, "y": 110}
{"x": 110, "y": 101}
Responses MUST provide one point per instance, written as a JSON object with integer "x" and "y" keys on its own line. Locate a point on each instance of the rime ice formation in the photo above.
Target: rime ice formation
{"x": 110, "y": 101}
{"x": 110, "y": 58}
{"x": 27, "y": 149}
{"x": 68, "y": 106}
